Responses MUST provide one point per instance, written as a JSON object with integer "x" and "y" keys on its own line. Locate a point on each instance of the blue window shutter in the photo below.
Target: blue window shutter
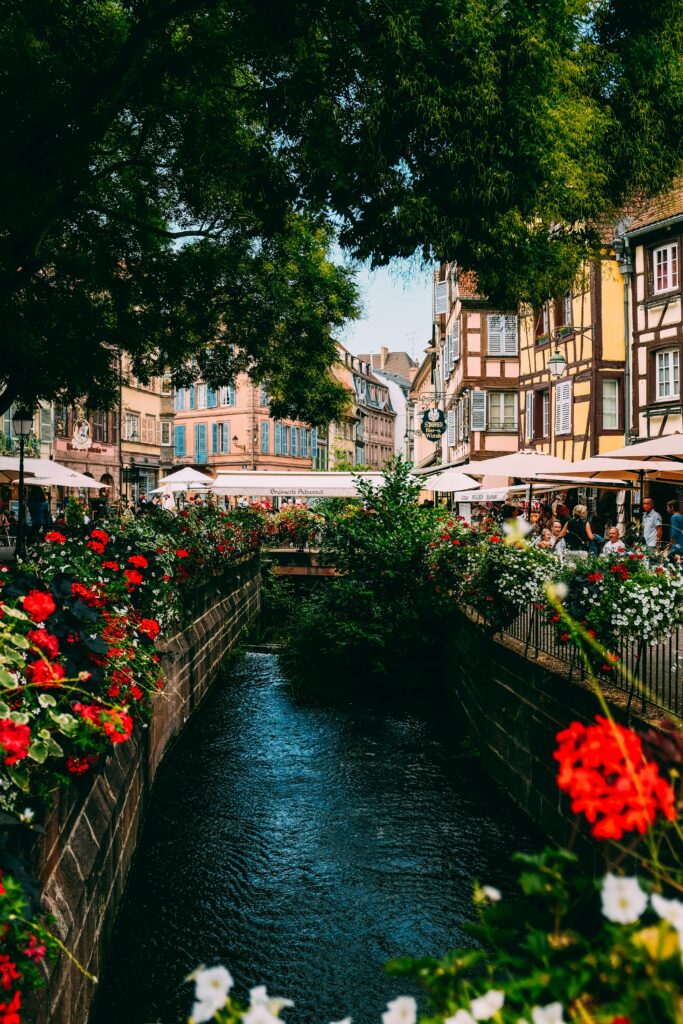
{"x": 278, "y": 442}
{"x": 214, "y": 438}
{"x": 284, "y": 435}
{"x": 226, "y": 436}
{"x": 314, "y": 442}
{"x": 180, "y": 440}
{"x": 211, "y": 398}
{"x": 303, "y": 442}
{"x": 192, "y": 396}
{"x": 200, "y": 442}
{"x": 231, "y": 394}
{"x": 294, "y": 440}
{"x": 265, "y": 437}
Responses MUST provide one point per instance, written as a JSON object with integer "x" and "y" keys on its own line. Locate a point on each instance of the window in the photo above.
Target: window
{"x": 46, "y": 431}
{"x": 179, "y": 400}
{"x": 502, "y": 335}
{"x": 502, "y": 410}
{"x": 294, "y": 446}
{"x": 278, "y": 439}
{"x": 200, "y": 452}
{"x": 99, "y": 423}
{"x": 201, "y": 396}
{"x": 132, "y": 427}
{"x": 193, "y": 396}
{"x": 165, "y": 432}
{"x": 314, "y": 442}
{"x": 303, "y": 442}
{"x": 665, "y": 268}
{"x": 610, "y": 404}
{"x": 220, "y": 437}
{"x": 529, "y": 410}
{"x": 541, "y": 326}
{"x": 180, "y": 440}
{"x": 542, "y": 413}
{"x": 284, "y": 437}
{"x": 211, "y": 398}
{"x": 264, "y": 395}
{"x": 563, "y": 310}
{"x": 265, "y": 437}
{"x": 667, "y": 375}
{"x": 440, "y": 297}
{"x": 149, "y": 430}
{"x": 563, "y": 407}
{"x": 450, "y": 422}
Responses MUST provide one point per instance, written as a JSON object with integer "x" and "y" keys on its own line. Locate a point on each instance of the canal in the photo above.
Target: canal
{"x": 303, "y": 846}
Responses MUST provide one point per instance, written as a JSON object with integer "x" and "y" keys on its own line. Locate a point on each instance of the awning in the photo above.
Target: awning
{"x": 265, "y": 484}
{"x": 46, "y": 473}
{"x": 187, "y": 479}
{"x": 670, "y": 446}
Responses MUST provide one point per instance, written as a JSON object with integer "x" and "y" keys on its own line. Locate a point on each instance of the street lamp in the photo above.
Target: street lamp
{"x": 22, "y": 422}
{"x": 557, "y": 363}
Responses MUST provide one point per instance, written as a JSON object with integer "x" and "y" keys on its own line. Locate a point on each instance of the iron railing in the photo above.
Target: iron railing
{"x": 654, "y": 672}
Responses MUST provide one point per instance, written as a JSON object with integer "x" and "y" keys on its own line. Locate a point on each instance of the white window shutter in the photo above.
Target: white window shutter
{"x": 463, "y": 422}
{"x": 563, "y": 407}
{"x": 478, "y": 410}
{"x": 440, "y": 298}
{"x": 510, "y": 342}
{"x": 451, "y": 428}
{"x": 529, "y": 415}
{"x": 455, "y": 353}
{"x": 449, "y": 342}
{"x": 494, "y": 323}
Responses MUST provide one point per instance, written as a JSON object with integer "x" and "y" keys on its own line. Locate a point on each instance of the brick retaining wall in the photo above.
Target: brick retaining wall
{"x": 512, "y": 708}
{"x": 84, "y": 857}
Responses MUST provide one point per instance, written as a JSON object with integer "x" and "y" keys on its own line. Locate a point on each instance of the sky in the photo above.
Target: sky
{"x": 397, "y": 311}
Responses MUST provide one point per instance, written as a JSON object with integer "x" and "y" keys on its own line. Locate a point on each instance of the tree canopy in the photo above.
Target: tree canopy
{"x": 175, "y": 171}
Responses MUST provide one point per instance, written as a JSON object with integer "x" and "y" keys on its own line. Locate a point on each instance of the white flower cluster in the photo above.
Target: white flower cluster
{"x": 523, "y": 578}
{"x": 649, "y": 611}
{"x": 623, "y": 902}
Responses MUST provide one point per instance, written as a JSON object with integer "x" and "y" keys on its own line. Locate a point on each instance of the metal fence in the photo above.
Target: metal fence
{"x": 654, "y": 672}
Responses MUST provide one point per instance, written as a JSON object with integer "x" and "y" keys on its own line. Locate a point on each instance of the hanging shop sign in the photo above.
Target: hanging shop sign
{"x": 433, "y": 424}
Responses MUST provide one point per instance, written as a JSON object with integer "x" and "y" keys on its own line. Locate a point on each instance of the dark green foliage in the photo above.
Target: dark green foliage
{"x": 385, "y": 622}
{"x": 171, "y": 168}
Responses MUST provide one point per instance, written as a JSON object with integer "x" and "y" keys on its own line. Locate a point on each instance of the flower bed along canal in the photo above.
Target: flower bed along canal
{"x": 304, "y": 846}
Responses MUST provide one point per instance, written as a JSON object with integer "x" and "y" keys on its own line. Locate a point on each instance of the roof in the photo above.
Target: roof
{"x": 663, "y": 207}
{"x": 467, "y": 285}
{"x": 393, "y": 362}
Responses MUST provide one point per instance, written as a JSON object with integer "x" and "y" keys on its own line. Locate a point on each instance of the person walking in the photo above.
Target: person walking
{"x": 652, "y": 526}
{"x": 675, "y": 546}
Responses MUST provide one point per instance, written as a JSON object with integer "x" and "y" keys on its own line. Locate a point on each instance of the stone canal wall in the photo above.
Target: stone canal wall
{"x": 512, "y": 708}
{"x": 84, "y": 857}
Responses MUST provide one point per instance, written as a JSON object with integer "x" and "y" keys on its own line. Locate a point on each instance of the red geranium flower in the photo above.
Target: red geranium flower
{"x": 116, "y": 724}
{"x": 8, "y": 972}
{"x": 14, "y": 740}
{"x": 100, "y": 535}
{"x": 604, "y": 770}
{"x": 114, "y": 566}
{"x": 44, "y": 673}
{"x": 45, "y": 641}
{"x": 150, "y": 627}
{"x": 95, "y": 546}
{"x": 35, "y": 950}
{"x": 80, "y": 765}
{"x": 9, "y": 1012}
{"x": 39, "y": 605}
{"x": 55, "y": 537}
{"x": 182, "y": 553}
{"x": 494, "y": 540}
{"x": 139, "y": 561}
{"x": 133, "y": 576}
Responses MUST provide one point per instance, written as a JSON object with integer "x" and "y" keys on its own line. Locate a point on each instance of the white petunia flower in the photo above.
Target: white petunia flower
{"x": 258, "y": 996}
{"x": 202, "y": 1012}
{"x": 668, "y": 910}
{"x": 623, "y": 901}
{"x": 260, "y": 1014}
{"x": 211, "y": 987}
{"x": 402, "y": 1010}
{"x": 550, "y": 1014}
{"x": 461, "y": 1017}
{"x": 491, "y": 893}
{"x": 487, "y": 1005}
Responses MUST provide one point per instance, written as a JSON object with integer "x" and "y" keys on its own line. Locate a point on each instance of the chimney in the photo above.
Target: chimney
{"x": 383, "y": 353}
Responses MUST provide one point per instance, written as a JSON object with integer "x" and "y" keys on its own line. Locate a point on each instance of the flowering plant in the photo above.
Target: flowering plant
{"x": 505, "y": 578}
{"x": 26, "y": 943}
{"x": 297, "y": 525}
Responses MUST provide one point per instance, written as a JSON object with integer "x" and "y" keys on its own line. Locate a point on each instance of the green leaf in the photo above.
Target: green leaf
{"x": 38, "y": 751}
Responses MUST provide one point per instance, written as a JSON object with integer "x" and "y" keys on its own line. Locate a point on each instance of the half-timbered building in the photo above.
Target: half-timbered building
{"x": 478, "y": 369}
{"x": 654, "y": 238}
{"x": 580, "y": 412}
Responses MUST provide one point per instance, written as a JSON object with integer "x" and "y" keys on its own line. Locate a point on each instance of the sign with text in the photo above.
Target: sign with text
{"x": 433, "y": 424}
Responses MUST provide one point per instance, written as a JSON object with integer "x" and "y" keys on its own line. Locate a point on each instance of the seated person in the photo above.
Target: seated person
{"x": 614, "y": 545}
{"x": 544, "y": 540}
{"x": 558, "y": 545}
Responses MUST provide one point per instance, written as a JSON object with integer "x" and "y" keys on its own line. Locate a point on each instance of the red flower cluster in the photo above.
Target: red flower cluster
{"x": 133, "y": 576}
{"x": 619, "y": 570}
{"x": 116, "y": 724}
{"x": 9, "y": 1012}
{"x": 594, "y": 577}
{"x": 100, "y": 535}
{"x": 605, "y": 772}
{"x": 139, "y": 561}
{"x": 44, "y": 673}
{"x": 88, "y": 595}
{"x": 55, "y": 537}
{"x": 14, "y": 740}
{"x": 114, "y": 566}
{"x": 8, "y": 972}
{"x": 182, "y": 553}
{"x": 39, "y": 605}
{"x": 96, "y": 546}
{"x": 79, "y": 766}
{"x": 150, "y": 628}
{"x": 45, "y": 641}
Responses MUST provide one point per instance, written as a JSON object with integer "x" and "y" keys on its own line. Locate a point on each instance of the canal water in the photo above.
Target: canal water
{"x": 304, "y": 846}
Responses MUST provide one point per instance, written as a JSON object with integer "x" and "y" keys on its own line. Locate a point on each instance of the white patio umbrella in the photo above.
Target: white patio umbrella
{"x": 448, "y": 480}
{"x": 524, "y": 465}
{"x": 187, "y": 478}
{"x": 46, "y": 473}
{"x": 9, "y": 470}
{"x": 601, "y": 468}
{"x": 668, "y": 447}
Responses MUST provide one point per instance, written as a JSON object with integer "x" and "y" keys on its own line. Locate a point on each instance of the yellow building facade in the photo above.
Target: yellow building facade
{"x": 581, "y": 412}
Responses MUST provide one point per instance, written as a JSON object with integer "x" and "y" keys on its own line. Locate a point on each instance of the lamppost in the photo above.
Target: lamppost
{"x": 557, "y": 364}
{"x": 22, "y": 422}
